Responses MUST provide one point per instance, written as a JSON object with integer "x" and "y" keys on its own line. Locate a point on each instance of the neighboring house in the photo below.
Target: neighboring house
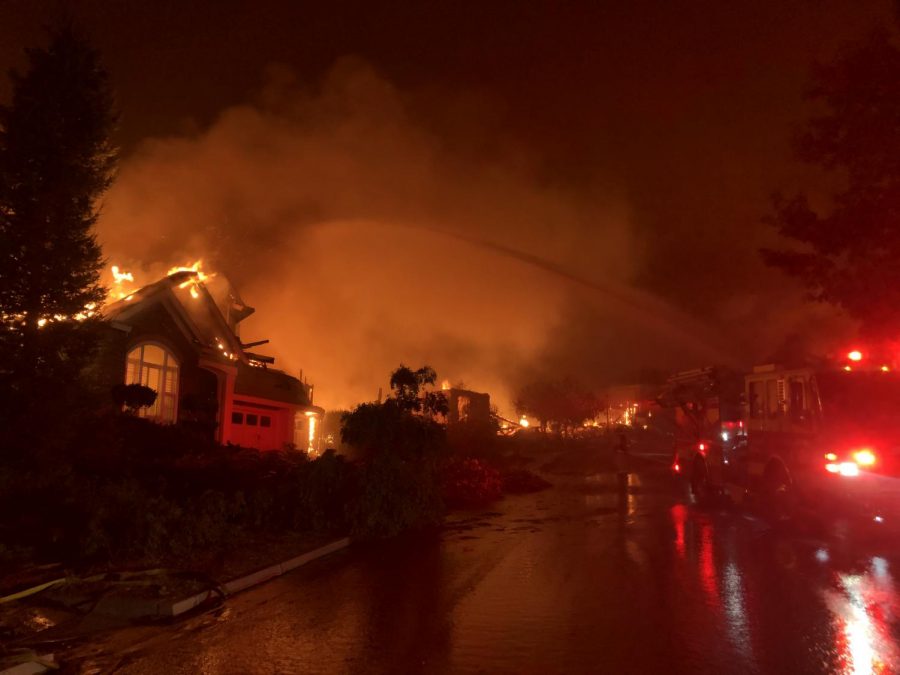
{"x": 467, "y": 406}
{"x": 181, "y": 337}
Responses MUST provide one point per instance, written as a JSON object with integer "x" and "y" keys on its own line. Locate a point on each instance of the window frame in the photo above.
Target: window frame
{"x": 165, "y": 409}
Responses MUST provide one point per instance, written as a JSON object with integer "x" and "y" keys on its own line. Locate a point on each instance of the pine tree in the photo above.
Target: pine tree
{"x": 56, "y": 161}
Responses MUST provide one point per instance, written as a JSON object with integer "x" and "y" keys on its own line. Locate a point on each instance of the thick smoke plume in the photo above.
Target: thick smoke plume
{"x": 366, "y": 238}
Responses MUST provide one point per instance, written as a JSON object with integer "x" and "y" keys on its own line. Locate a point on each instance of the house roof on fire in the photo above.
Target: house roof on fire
{"x": 198, "y": 315}
{"x": 191, "y": 306}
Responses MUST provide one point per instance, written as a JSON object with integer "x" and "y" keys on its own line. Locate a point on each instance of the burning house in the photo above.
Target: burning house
{"x": 180, "y": 336}
{"x": 464, "y": 405}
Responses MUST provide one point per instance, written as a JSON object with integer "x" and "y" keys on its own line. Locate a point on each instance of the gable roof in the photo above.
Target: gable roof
{"x": 192, "y": 307}
{"x": 199, "y": 317}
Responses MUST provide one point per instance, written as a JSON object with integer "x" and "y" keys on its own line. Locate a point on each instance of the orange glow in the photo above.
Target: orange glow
{"x": 855, "y": 355}
{"x": 864, "y": 457}
{"x": 524, "y": 423}
{"x": 194, "y": 292}
{"x": 885, "y": 369}
{"x": 445, "y": 385}
{"x": 831, "y": 457}
{"x": 848, "y": 368}
{"x": 311, "y": 417}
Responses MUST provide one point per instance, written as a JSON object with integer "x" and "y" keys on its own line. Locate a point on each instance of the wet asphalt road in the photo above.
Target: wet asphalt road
{"x": 570, "y": 580}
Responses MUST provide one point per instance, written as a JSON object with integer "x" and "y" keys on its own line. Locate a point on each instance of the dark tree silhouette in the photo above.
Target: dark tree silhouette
{"x": 403, "y": 423}
{"x": 399, "y": 447}
{"x": 848, "y": 254}
{"x": 56, "y": 161}
{"x": 408, "y": 389}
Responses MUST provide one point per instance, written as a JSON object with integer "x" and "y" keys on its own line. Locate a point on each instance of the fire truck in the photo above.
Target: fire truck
{"x": 816, "y": 438}
{"x": 707, "y": 406}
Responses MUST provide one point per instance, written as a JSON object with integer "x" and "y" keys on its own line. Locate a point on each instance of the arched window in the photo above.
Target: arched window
{"x": 155, "y": 367}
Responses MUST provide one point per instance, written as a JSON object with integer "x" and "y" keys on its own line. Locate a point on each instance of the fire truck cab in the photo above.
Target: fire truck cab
{"x": 823, "y": 437}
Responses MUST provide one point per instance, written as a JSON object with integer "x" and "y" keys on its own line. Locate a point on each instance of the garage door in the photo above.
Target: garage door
{"x": 254, "y": 428}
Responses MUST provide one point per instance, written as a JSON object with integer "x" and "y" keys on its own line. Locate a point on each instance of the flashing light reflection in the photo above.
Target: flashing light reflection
{"x": 867, "y": 645}
{"x": 855, "y": 355}
{"x": 864, "y": 457}
{"x": 848, "y": 469}
{"x": 707, "y": 565}
{"x": 733, "y": 597}
{"x": 831, "y": 457}
{"x": 679, "y": 516}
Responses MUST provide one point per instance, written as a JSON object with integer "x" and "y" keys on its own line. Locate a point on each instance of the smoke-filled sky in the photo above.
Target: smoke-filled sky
{"x": 503, "y": 190}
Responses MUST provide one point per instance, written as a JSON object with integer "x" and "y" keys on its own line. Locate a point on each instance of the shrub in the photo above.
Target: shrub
{"x": 133, "y": 396}
{"x": 327, "y": 489}
{"x": 396, "y": 494}
{"x": 466, "y": 481}
{"x": 522, "y": 481}
{"x": 474, "y": 438}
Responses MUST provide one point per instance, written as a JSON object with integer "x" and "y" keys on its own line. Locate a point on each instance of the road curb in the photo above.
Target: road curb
{"x": 133, "y": 608}
{"x": 40, "y": 663}
{"x": 136, "y": 608}
{"x": 172, "y": 609}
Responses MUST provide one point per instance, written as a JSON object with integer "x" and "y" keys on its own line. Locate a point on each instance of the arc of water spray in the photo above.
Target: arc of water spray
{"x": 649, "y": 310}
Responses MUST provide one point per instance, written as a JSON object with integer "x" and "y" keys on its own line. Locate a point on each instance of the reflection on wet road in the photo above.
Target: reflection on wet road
{"x": 570, "y": 580}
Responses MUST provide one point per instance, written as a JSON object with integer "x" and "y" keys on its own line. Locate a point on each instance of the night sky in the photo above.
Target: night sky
{"x": 673, "y": 120}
